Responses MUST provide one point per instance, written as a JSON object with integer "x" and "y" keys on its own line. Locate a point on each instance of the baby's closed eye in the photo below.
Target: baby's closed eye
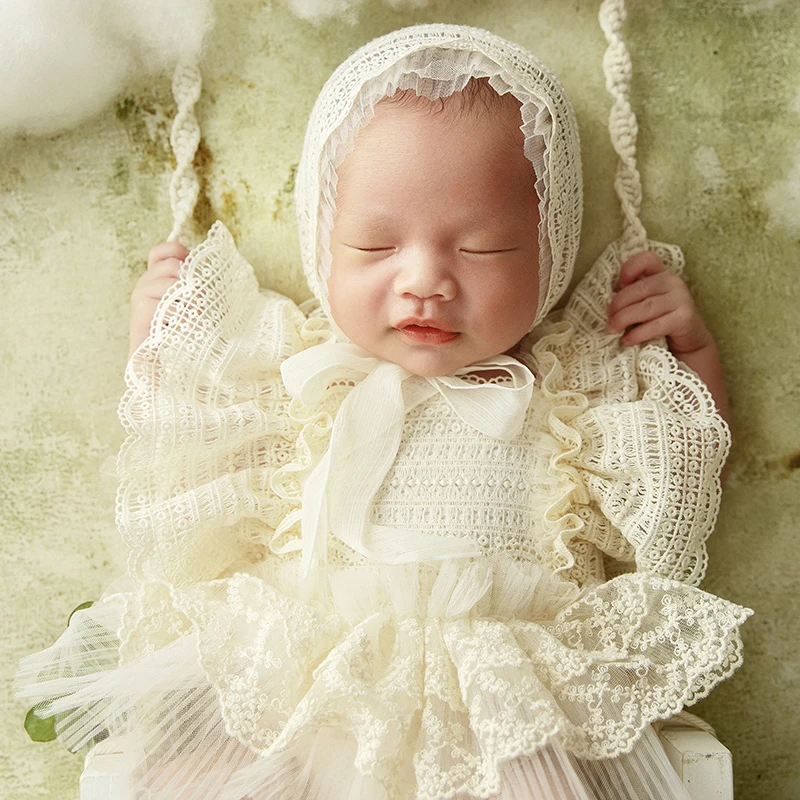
{"x": 488, "y": 251}
{"x": 370, "y": 247}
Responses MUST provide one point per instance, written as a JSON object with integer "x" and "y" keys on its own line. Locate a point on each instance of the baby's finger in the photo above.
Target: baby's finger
{"x": 166, "y": 250}
{"x": 167, "y": 267}
{"x": 648, "y": 309}
{"x": 154, "y": 289}
{"x": 639, "y": 290}
{"x": 635, "y": 267}
{"x": 652, "y": 329}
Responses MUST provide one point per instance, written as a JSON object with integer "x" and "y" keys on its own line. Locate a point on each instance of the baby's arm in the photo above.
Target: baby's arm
{"x": 652, "y": 302}
{"x": 163, "y": 263}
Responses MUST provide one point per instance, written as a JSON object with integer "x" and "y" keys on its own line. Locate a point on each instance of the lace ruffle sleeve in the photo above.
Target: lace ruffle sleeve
{"x": 207, "y": 421}
{"x": 642, "y": 440}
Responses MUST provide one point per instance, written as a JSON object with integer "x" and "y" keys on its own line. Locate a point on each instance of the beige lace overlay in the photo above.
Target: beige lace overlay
{"x": 580, "y": 623}
{"x": 440, "y": 676}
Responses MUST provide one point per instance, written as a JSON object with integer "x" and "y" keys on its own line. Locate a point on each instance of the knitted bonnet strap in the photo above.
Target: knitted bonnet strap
{"x": 184, "y": 138}
{"x": 622, "y": 127}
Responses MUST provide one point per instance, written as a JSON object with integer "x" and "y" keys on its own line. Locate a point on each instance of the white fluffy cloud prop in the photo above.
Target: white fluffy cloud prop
{"x": 63, "y": 60}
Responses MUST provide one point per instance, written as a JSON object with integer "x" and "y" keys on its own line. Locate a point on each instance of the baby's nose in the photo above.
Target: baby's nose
{"x": 425, "y": 276}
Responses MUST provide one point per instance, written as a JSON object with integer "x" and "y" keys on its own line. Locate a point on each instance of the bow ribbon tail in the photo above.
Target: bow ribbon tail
{"x": 364, "y": 443}
{"x": 377, "y": 414}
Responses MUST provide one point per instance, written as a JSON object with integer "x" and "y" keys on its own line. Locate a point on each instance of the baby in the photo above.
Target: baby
{"x": 426, "y": 540}
{"x": 435, "y": 246}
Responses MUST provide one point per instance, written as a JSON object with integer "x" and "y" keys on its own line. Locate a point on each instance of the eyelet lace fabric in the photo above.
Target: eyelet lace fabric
{"x": 535, "y": 669}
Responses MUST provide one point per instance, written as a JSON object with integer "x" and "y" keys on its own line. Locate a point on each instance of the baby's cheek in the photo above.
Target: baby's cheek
{"x": 513, "y": 306}
{"x": 356, "y": 307}
{"x": 334, "y": 293}
{"x": 344, "y": 304}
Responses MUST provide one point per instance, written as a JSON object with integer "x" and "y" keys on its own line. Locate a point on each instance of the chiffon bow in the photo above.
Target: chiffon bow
{"x": 366, "y": 436}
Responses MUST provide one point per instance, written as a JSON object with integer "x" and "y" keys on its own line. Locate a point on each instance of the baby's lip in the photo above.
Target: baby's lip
{"x": 417, "y": 322}
{"x": 426, "y": 331}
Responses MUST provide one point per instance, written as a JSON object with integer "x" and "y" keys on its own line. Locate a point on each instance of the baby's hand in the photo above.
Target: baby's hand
{"x": 652, "y": 302}
{"x": 163, "y": 264}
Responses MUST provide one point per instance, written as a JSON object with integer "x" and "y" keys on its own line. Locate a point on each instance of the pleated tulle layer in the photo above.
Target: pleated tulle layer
{"x": 320, "y": 767}
{"x": 478, "y": 678}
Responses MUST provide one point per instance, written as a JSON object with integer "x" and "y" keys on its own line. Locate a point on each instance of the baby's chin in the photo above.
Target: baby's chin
{"x": 427, "y": 362}
{"x": 433, "y": 361}
{"x": 425, "y": 371}
{"x": 439, "y": 361}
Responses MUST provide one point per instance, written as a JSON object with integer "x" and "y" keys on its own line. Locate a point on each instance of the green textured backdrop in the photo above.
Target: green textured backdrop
{"x": 717, "y": 91}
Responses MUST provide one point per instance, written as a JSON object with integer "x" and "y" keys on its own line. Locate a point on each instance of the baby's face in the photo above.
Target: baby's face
{"x": 434, "y": 245}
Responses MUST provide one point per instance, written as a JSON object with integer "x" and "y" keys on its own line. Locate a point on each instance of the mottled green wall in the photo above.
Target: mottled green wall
{"x": 717, "y": 90}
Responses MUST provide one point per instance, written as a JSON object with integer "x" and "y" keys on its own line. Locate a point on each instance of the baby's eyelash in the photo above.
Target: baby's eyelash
{"x": 489, "y": 252}
{"x": 370, "y": 249}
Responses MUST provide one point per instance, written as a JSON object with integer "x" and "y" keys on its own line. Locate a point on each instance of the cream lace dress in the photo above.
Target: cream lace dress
{"x": 532, "y": 666}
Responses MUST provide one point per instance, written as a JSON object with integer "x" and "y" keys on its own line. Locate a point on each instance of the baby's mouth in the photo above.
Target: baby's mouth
{"x": 426, "y": 332}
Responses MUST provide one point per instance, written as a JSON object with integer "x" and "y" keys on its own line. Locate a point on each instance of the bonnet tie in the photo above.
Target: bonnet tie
{"x": 366, "y": 436}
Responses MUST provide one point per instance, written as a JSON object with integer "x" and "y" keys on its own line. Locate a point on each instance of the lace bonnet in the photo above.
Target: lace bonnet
{"x": 435, "y": 61}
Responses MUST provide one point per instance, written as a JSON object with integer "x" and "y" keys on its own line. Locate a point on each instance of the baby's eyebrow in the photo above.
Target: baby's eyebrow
{"x": 381, "y": 218}
{"x": 371, "y": 219}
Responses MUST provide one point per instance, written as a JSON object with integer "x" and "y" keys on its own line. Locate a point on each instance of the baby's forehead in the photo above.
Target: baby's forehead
{"x": 477, "y": 100}
{"x": 408, "y": 120}
{"x": 473, "y": 135}
{"x": 470, "y": 142}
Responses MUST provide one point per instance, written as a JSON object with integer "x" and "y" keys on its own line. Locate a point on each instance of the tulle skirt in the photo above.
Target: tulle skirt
{"x": 481, "y": 678}
{"x": 321, "y": 768}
